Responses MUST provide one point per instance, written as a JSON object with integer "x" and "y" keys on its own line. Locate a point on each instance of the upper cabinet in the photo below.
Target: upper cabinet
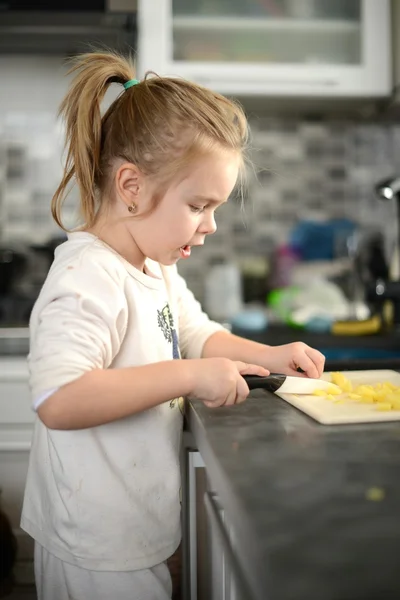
{"x": 276, "y": 48}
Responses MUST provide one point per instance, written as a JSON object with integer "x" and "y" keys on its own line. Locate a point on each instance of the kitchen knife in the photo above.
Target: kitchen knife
{"x": 277, "y": 382}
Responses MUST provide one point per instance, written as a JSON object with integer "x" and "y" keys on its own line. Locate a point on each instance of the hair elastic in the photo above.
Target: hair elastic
{"x": 131, "y": 83}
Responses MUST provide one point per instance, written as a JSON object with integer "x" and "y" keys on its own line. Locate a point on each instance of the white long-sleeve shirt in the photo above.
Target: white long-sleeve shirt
{"x": 107, "y": 497}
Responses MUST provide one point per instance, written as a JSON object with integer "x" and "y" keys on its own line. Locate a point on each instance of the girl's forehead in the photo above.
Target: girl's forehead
{"x": 211, "y": 166}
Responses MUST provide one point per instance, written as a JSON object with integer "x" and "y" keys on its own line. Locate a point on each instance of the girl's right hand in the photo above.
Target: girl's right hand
{"x": 219, "y": 381}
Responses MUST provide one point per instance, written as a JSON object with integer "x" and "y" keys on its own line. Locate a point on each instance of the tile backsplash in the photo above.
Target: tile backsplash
{"x": 305, "y": 169}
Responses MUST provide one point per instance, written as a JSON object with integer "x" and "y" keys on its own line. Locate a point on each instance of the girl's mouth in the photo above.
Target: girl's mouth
{"x": 185, "y": 251}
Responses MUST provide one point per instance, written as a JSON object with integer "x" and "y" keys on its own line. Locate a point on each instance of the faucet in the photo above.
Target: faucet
{"x": 388, "y": 188}
{"x": 383, "y": 289}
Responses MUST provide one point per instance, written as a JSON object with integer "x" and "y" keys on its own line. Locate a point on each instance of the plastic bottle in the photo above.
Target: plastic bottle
{"x": 223, "y": 291}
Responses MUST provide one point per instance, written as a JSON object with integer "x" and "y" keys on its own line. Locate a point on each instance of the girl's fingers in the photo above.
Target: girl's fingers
{"x": 311, "y": 362}
{"x": 250, "y": 369}
{"x": 242, "y": 390}
{"x": 231, "y": 398}
{"x": 307, "y": 365}
{"x": 318, "y": 359}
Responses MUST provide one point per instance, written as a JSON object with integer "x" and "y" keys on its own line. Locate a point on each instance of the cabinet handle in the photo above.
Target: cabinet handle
{"x": 212, "y": 508}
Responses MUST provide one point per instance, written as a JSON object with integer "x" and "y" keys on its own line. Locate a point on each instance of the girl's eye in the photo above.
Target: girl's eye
{"x": 196, "y": 209}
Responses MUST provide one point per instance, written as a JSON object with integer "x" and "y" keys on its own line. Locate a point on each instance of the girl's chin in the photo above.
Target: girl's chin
{"x": 168, "y": 261}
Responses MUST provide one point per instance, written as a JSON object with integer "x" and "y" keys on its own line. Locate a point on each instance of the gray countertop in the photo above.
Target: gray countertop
{"x": 297, "y": 495}
{"x": 281, "y": 334}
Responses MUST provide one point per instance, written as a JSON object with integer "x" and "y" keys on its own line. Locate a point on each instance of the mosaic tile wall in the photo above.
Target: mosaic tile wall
{"x": 305, "y": 169}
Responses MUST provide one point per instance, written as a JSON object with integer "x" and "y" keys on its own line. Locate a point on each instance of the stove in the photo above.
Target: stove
{"x": 15, "y": 309}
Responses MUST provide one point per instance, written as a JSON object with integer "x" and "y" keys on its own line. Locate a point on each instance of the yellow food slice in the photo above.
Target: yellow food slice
{"x": 384, "y": 394}
{"x": 365, "y": 390}
{"x": 333, "y": 390}
{"x": 319, "y": 393}
{"x": 391, "y": 385}
{"x": 366, "y": 400}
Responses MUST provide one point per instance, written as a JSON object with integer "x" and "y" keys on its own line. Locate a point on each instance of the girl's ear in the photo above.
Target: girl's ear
{"x": 129, "y": 182}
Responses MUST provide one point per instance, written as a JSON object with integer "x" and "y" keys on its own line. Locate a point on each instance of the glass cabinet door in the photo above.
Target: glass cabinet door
{"x": 302, "y": 32}
{"x": 273, "y": 48}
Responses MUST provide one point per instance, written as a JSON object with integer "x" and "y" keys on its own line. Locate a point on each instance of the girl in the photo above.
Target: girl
{"x": 113, "y": 317}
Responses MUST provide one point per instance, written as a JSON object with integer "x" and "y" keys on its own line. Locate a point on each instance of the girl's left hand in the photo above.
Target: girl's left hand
{"x": 289, "y": 358}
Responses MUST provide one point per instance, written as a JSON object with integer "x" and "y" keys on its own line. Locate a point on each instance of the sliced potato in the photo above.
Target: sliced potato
{"x": 385, "y": 395}
{"x": 319, "y": 392}
{"x": 333, "y": 390}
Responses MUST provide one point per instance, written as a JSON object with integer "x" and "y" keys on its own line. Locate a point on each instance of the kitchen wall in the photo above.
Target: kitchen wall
{"x": 31, "y": 145}
{"x": 306, "y": 167}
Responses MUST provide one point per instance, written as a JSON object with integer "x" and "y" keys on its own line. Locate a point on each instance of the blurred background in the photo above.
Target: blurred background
{"x": 318, "y": 81}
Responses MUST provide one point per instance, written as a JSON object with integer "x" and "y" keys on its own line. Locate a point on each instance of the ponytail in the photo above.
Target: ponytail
{"x": 80, "y": 110}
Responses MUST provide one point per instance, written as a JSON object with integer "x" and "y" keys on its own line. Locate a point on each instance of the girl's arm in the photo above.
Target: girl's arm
{"x": 104, "y": 395}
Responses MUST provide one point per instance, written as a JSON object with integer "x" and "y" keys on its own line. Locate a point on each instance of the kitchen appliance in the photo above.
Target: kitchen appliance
{"x": 23, "y": 269}
{"x": 284, "y": 384}
{"x": 15, "y": 302}
{"x": 66, "y": 27}
{"x": 330, "y": 412}
{"x": 12, "y": 265}
{"x": 223, "y": 295}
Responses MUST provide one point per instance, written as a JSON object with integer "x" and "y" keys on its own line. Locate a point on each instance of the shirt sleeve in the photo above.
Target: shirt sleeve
{"x": 77, "y": 325}
{"x": 195, "y": 327}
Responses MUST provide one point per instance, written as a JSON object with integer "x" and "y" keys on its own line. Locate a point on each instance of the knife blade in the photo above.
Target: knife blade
{"x": 286, "y": 384}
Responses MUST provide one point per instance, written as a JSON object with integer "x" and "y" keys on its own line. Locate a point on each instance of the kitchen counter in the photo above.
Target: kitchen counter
{"x": 297, "y": 494}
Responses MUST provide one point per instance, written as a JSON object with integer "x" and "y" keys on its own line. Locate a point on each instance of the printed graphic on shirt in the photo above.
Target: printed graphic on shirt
{"x": 166, "y": 324}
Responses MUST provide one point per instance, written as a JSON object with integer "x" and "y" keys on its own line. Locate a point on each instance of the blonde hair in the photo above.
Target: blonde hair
{"x": 160, "y": 124}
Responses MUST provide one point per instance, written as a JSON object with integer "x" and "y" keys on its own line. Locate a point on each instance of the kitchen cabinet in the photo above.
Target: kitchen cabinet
{"x": 16, "y": 423}
{"x": 211, "y": 570}
{"x": 276, "y": 48}
{"x": 396, "y": 48}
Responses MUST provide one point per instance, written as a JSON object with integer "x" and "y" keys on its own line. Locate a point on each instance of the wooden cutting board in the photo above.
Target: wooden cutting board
{"x": 329, "y": 413}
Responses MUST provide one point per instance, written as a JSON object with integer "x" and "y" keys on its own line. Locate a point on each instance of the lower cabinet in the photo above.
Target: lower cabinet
{"x": 210, "y": 567}
{"x": 16, "y": 423}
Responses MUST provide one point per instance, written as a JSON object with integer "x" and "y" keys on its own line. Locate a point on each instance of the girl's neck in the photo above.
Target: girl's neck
{"x": 117, "y": 236}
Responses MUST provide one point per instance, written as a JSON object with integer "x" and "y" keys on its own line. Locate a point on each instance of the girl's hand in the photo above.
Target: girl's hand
{"x": 219, "y": 381}
{"x": 290, "y": 357}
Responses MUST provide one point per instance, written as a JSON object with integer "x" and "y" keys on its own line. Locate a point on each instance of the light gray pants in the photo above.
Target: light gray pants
{"x": 58, "y": 580}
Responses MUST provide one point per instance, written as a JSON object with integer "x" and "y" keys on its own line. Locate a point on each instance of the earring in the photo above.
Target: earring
{"x": 132, "y": 208}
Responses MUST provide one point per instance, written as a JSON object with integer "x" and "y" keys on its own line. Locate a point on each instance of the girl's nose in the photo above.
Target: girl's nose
{"x": 208, "y": 225}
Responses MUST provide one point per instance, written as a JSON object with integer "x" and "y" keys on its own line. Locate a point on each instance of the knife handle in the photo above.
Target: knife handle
{"x": 270, "y": 382}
